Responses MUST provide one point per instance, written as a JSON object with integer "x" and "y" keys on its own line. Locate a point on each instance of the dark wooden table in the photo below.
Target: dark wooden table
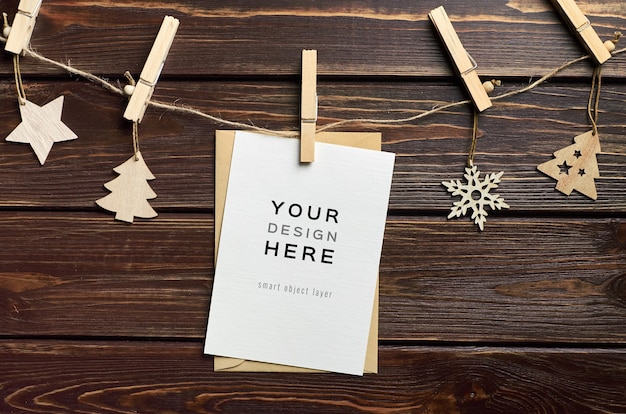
{"x": 529, "y": 316}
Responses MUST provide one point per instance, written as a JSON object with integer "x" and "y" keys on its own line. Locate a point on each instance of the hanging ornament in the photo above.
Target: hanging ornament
{"x": 575, "y": 167}
{"x": 41, "y": 126}
{"x": 475, "y": 193}
{"x": 130, "y": 191}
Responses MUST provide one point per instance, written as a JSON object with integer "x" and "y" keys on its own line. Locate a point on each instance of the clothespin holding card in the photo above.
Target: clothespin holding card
{"x": 308, "y": 107}
{"x": 581, "y": 26}
{"x": 465, "y": 65}
{"x": 141, "y": 93}
{"x": 19, "y": 34}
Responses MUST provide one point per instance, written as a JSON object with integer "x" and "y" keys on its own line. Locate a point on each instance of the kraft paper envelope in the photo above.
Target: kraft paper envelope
{"x": 224, "y": 141}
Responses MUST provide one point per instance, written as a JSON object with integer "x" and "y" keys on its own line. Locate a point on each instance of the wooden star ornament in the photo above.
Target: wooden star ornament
{"x": 41, "y": 127}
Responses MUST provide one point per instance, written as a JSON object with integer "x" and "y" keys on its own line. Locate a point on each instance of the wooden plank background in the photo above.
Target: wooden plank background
{"x": 529, "y": 316}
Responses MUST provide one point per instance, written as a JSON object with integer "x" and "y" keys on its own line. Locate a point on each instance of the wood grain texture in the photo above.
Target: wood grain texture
{"x": 90, "y": 275}
{"x": 99, "y": 316}
{"x": 516, "y": 135}
{"x": 100, "y": 377}
{"x": 440, "y": 280}
{"x": 519, "y": 280}
{"x": 362, "y": 38}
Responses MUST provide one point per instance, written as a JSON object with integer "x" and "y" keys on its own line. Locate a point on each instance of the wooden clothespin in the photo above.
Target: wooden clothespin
{"x": 581, "y": 26}
{"x": 308, "y": 107}
{"x": 140, "y": 95}
{"x": 19, "y": 34}
{"x": 465, "y": 65}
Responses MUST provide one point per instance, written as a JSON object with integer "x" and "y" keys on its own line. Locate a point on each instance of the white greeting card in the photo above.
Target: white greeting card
{"x": 299, "y": 252}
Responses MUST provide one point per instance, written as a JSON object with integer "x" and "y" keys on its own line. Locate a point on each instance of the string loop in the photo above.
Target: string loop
{"x": 136, "y": 140}
{"x": 593, "y": 103}
{"x": 616, "y": 36}
{"x": 21, "y": 95}
{"x": 129, "y": 78}
{"x": 5, "y": 25}
{"x": 472, "y": 151}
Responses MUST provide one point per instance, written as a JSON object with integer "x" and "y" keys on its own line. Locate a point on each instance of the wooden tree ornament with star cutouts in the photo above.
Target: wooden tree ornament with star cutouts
{"x": 575, "y": 167}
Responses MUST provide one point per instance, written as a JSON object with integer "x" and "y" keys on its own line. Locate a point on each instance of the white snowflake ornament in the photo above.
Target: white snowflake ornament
{"x": 475, "y": 195}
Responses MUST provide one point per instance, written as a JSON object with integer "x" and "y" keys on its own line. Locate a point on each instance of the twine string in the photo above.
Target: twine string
{"x": 72, "y": 70}
{"x": 593, "y": 103}
{"x": 136, "y": 140}
{"x": 472, "y": 151}
{"x": 131, "y": 82}
{"x": 21, "y": 95}
{"x": 192, "y": 111}
{"x": 129, "y": 78}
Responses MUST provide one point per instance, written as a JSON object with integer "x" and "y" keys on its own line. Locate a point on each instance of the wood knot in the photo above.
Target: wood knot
{"x": 474, "y": 393}
{"x": 616, "y": 243}
{"x": 15, "y": 307}
{"x": 620, "y": 232}
{"x": 616, "y": 289}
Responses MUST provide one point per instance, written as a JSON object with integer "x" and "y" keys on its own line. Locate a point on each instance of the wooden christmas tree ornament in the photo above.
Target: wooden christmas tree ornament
{"x": 130, "y": 191}
{"x": 575, "y": 167}
{"x": 41, "y": 126}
